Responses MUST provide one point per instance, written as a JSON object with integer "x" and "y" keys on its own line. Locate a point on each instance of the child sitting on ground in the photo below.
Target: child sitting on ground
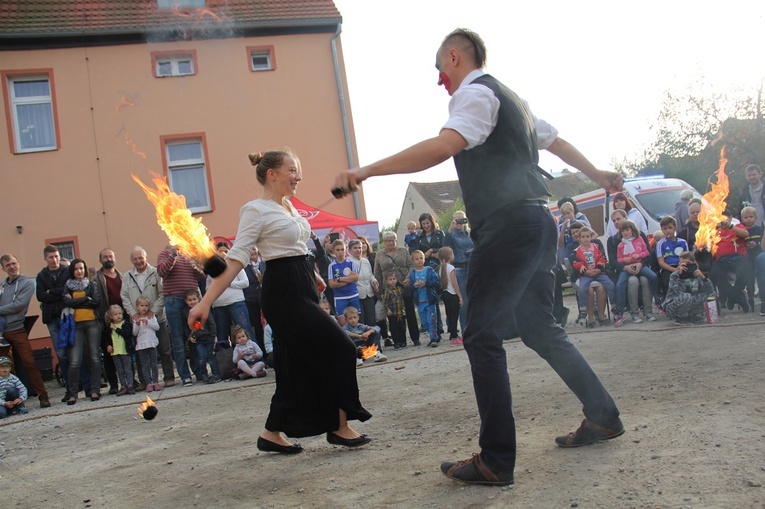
{"x": 688, "y": 290}
{"x": 203, "y": 339}
{"x": 13, "y": 394}
{"x": 424, "y": 281}
{"x": 119, "y": 343}
{"x": 362, "y": 335}
{"x": 590, "y": 263}
{"x": 247, "y": 355}
{"x": 393, "y": 300}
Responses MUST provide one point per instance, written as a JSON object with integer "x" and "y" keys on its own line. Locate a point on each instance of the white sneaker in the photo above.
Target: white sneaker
{"x": 378, "y": 357}
{"x": 359, "y": 362}
{"x": 636, "y": 319}
{"x": 650, "y": 318}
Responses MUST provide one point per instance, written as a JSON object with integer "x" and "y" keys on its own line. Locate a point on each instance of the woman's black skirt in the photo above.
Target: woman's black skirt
{"x": 315, "y": 360}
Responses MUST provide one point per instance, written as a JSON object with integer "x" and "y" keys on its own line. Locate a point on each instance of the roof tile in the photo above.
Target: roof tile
{"x": 63, "y": 17}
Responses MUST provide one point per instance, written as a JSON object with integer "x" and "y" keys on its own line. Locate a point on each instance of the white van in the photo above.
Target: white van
{"x": 654, "y": 197}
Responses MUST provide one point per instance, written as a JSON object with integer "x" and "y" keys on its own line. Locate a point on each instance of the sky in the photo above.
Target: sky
{"x": 596, "y": 70}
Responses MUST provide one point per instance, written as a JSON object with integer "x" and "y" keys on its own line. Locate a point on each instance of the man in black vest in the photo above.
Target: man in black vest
{"x": 491, "y": 135}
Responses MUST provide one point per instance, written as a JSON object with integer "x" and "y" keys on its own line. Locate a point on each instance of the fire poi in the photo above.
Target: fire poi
{"x": 148, "y": 410}
{"x": 184, "y": 231}
{"x": 713, "y": 205}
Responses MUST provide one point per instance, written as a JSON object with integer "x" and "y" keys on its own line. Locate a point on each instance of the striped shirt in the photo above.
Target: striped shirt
{"x": 10, "y": 382}
{"x": 178, "y": 274}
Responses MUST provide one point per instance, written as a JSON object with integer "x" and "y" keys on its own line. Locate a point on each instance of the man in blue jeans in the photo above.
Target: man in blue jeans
{"x": 491, "y": 135}
{"x": 179, "y": 274}
{"x": 51, "y": 281}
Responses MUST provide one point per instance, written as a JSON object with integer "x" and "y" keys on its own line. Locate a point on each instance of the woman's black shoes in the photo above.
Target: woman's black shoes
{"x": 360, "y": 440}
{"x": 269, "y": 446}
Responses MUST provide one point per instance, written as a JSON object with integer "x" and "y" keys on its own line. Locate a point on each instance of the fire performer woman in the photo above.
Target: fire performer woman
{"x": 316, "y": 387}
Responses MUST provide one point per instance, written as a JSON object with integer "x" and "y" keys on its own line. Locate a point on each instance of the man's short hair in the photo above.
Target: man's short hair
{"x": 102, "y": 251}
{"x": 353, "y": 242}
{"x": 337, "y": 242}
{"x": 620, "y": 212}
{"x": 6, "y": 258}
{"x": 667, "y": 220}
{"x": 50, "y": 248}
{"x": 389, "y": 273}
{"x": 350, "y": 310}
{"x": 468, "y": 42}
{"x": 584, "y": 229}
{"x": 137, "y": 248}
{"x": 687, "y": 255}
{"x": 576, "y": 225}
{"x": 754, "y": 167}
{"x": 190, "y": 292}
{"x": 686, "y": 195}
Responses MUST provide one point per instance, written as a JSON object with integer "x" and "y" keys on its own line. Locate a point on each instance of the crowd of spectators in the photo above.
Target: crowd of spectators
{"x": 132, "y": 324}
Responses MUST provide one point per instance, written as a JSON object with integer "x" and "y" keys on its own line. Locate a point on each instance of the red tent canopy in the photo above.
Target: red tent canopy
{"x": 323, "y": 222}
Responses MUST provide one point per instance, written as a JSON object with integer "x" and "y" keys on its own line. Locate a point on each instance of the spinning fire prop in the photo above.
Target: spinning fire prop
{"x": 148, "y": 410}
{"x": 184, "y": 231}
{"x": 712, "y": 207}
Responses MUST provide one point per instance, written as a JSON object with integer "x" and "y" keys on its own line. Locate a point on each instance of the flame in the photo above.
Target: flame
{"x": 368, "y": 351}
{"x": 712, "y": 206}
{"x": 145, "y": 406}
{"x": 133, "y": 147}
{"x": 184, "y": 231}
{"x": 197, "y": 13}
{"x": 124, "y": 101}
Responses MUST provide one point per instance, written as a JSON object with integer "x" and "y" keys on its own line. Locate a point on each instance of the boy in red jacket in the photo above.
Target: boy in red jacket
{"x": 590, "y": 262}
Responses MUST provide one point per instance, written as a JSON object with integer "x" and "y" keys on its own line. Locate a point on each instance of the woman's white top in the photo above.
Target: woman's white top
{"x": 234, "y": 292}
{"x": 278, "y": 233}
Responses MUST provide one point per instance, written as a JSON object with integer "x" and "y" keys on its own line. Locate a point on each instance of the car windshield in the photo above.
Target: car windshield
{"x": 660, "y": 203}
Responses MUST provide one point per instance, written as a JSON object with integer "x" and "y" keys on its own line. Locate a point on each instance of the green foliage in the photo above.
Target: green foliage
{"x": 692, "y": 127}
{"x": 393, "y": 228}
{"x": 445, "y": 218}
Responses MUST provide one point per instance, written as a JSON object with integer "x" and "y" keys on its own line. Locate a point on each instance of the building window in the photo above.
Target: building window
{"x": 31, "y": 111}
{"x": 67, "y": 247}
{"x": 167, "y": 64}
{"x": 261, "y": 58}
{"x": 175, "y": 4}
{"x": 187, "y": 172}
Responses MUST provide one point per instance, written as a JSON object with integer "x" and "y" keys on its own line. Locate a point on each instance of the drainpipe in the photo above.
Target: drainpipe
{"x": 344, "y": 114}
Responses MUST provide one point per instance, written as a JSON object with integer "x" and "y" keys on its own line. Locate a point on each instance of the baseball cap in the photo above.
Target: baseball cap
{"x": 5, "y": 360}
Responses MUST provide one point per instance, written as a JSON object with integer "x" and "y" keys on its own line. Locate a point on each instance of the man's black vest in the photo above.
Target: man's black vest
{"x": 503, "y": 169}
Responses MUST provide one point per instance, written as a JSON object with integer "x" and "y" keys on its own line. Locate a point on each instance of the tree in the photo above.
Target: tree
{"x": 445, "y": 218}
{"x": 691, "y": 129}
{"x": 393, "y": 228}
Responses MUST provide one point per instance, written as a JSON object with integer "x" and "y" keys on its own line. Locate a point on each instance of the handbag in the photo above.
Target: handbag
{"x": 380, "y": 312}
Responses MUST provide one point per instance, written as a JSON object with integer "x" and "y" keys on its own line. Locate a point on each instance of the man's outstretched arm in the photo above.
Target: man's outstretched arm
{"x": 421, "y": 156}
{"x": 610, "y": 181}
